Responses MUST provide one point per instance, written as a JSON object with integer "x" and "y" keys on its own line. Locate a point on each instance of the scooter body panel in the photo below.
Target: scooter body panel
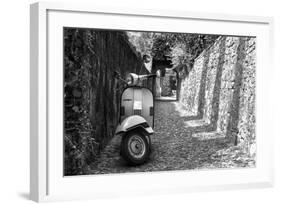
{"x": 134, "y": 122}
{"x": 137, "y": 101}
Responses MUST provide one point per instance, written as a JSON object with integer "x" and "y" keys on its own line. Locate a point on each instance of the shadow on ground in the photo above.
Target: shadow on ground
{"x": 173, "y": 148}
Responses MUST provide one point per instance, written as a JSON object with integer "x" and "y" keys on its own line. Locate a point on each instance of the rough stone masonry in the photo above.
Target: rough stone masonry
{"x": 220, "y": 89}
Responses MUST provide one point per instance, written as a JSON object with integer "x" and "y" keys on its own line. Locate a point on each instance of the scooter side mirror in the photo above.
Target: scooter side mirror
{"x": 116, "y": 74}
{"x": 146, "y": 58}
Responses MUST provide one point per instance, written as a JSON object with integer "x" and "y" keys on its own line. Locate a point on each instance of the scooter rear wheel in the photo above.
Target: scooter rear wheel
{"x": 135, "y": 148}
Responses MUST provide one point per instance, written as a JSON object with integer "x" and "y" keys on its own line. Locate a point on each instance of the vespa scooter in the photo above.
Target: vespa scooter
{"x": 136, "y": 119}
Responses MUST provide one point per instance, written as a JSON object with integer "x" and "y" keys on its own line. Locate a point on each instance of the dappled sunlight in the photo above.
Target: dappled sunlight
{"x": 208, "y": 135}
{"x": 182, "y": 111}
{"x": 196, "y": 123}
{"x": 166, "y": 98}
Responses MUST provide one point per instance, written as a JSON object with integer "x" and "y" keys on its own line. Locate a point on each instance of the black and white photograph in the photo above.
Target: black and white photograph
{"x": 148, "y": 101}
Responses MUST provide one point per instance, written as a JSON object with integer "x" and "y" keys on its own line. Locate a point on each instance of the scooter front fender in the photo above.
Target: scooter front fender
{"x": 133, "y": 122}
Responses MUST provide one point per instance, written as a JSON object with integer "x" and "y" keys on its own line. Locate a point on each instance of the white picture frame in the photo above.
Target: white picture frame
{"x": 47, "y": 182}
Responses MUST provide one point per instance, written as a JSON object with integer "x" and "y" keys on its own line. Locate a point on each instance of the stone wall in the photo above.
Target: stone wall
{"x": 246, "y": 122}
{"x": 92, "y": 94}
{"x": 166, "y": 89}
{"x": 213, "y": 70}
{"x": 189, "y": 92}
{"x": 227, "y": 82}
{"x": 220, "y": 89}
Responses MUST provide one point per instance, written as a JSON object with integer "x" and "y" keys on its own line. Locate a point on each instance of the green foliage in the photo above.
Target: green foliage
{"x": 183, "y": 48}
{"x": 162, "y": 46}
{"x": 80, "y": 146}
{"x": 180, "y": 47}
{"x": 142, "y": 41}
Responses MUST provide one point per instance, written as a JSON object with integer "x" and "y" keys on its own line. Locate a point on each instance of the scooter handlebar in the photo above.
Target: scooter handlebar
{"x": 134, "y": 79}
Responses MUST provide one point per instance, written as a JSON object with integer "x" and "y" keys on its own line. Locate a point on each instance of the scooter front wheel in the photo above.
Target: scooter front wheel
{"x": 135, "y": 148}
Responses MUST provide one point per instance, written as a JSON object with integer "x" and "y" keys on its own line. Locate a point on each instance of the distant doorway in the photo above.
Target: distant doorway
{"x": 166, "y": 84}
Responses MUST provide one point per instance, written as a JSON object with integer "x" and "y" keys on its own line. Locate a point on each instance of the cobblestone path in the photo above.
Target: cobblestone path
{"x": 173, "y": 147}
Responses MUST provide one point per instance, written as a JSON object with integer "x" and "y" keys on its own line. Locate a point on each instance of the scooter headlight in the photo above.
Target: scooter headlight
{"x": 129, "y": 79}
{"x": 132, "y": 79}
